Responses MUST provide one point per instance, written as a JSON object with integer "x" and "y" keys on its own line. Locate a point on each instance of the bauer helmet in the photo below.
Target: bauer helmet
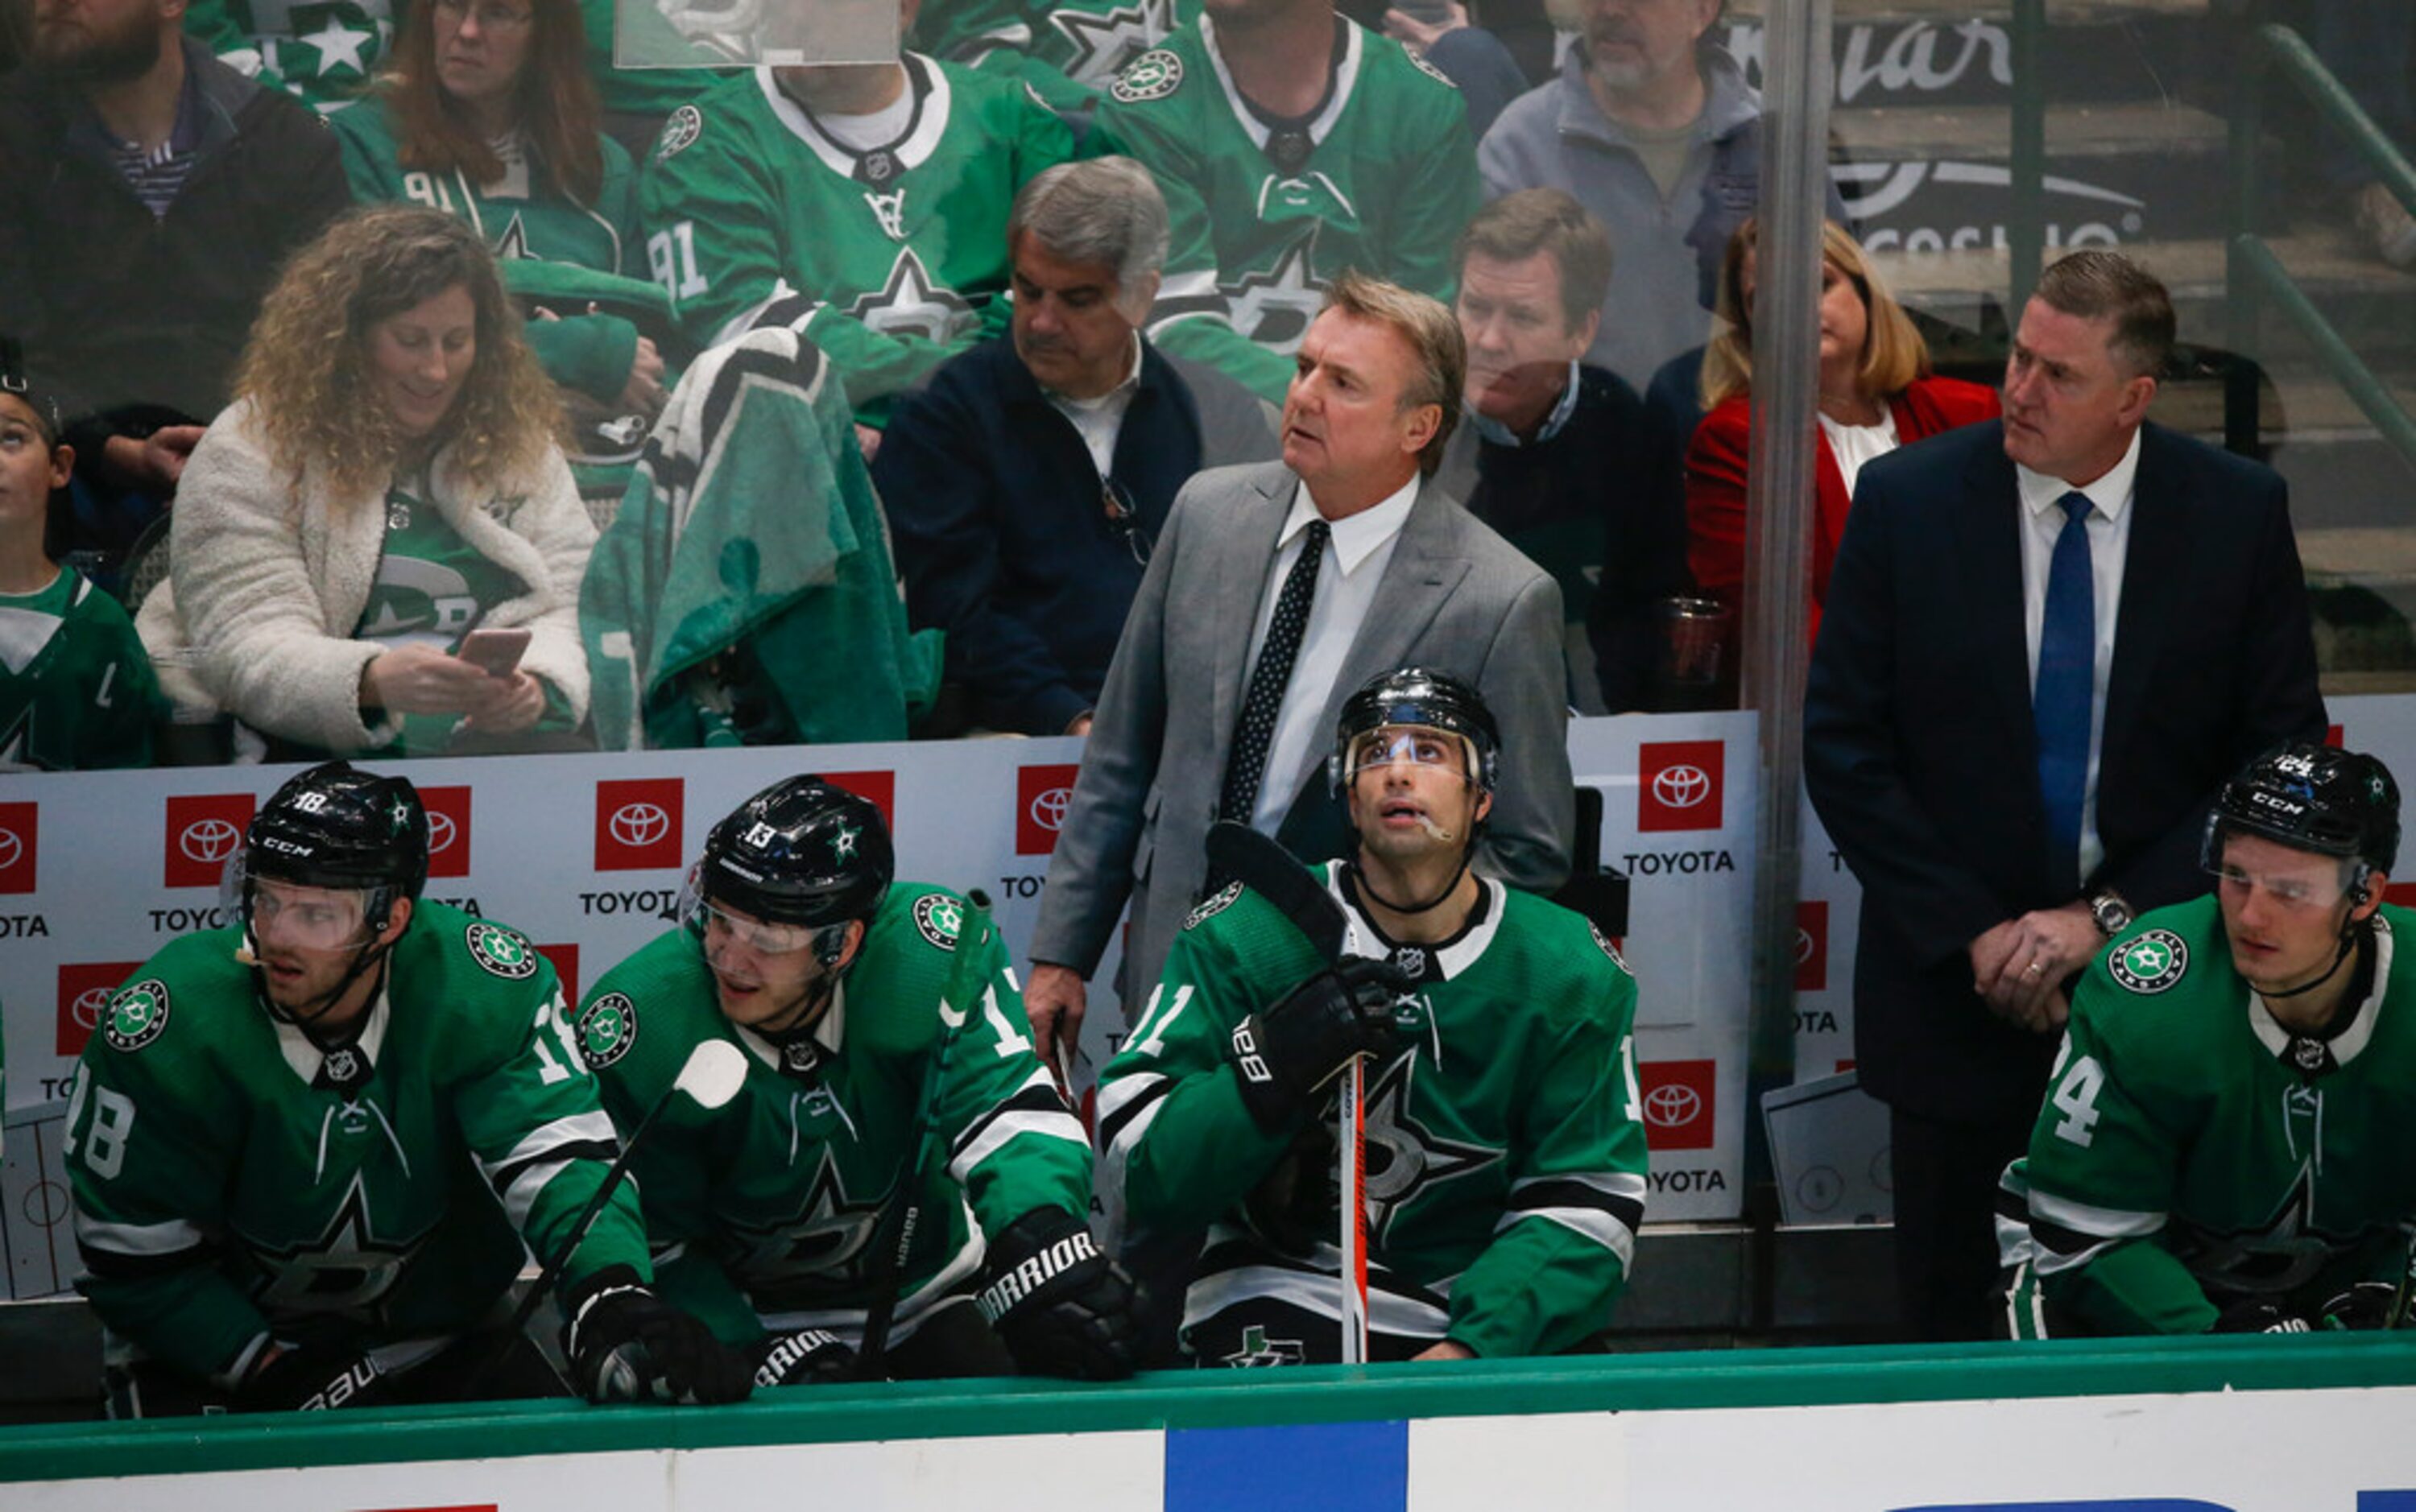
{"x": 2312, "y": 798}
{"x": 802, "y": 851}
{"x": 1424, "y": 699}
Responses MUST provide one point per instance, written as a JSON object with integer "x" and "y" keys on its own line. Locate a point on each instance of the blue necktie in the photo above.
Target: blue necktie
{"x": 2067, "y": 668}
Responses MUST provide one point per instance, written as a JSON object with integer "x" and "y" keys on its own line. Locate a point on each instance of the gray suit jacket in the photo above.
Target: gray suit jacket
{"x": 1454, "y": 596}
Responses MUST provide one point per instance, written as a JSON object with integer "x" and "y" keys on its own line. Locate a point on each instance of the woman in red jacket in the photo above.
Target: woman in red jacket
{"x": 1876, "y": 393}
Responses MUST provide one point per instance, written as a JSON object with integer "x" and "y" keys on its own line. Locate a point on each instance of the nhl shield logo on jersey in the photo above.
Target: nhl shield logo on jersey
{"x": 2152, "y": 963}
{"x": 1210, "y": 908}
{"x": 607, "y": 1029}
{"x": 941, "y": 920}
{"x": 1153, "y": 75}
{"x": 137, "y": 1016}
{"x": 686, "y": 125}
{"x": 502, "y": 952}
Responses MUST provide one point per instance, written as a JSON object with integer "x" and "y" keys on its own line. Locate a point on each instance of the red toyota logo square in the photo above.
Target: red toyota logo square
{"x": 85, "y": 989}
{"x": 19, "y": 828}
{"x": 878, "y": 788}
{"x": 1041, "y": 795}
{"x": 566, "y": 966}
{"x": 638, "y": 824}
{"x": 204, "y": 832}
{"x": 1812, "y": 945}
{"x": 1678, "y": 784}
{"x": 1677, "y": 1104}
{"x": 448, "y": 830}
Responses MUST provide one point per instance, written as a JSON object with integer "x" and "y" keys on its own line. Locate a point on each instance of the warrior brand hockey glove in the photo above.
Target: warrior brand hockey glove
{"x": 627, "y": 1345}
{"x": 1287, "y": 1053}
{"x": 312, "y": 1380}
{"x": 1059, "y": 1306}
{"x": 2366, "y": 1304}
{"x": 808, "y": 1357}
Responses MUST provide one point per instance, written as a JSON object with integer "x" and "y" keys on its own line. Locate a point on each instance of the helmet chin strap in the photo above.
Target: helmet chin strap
{"x": 1360, "y": 879}
{"x": 369, "y": 955}
{"x": 2352, "y": 932}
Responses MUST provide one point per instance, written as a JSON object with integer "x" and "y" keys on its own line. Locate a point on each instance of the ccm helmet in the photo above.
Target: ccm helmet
{"x": 1425, "y": 698}
{"x": 337, "y": 827}
{"x": 800, "y": 852}
{"x": 2311, "y": 798}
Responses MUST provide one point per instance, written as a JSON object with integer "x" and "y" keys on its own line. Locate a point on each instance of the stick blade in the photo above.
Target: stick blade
{"x": 1262, "y": 864}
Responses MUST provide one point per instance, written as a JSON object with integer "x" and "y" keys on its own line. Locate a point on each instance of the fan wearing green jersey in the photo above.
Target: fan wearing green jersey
{"x": 867, "y": 1043}
{"x": 306, "y": 1150}
{"x": 1291, "y": 143}
{"x": 2229, "y": 1139}
{"x": 1505, "y": 1153}
{"x": 864, "y": 205}
{"x": 76, "y": 688}
{"x": 1066, "y": 50}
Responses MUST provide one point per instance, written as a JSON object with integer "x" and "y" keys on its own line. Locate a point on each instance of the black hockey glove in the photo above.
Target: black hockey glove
{"x": 1059, "y": 1306}
{"x": 627, "y": 1345}
{"x": 2366, "y": 1304}
{"x": 1287, "y": 1053}
{"x": 310, "y": 1379}
{"x": 808, "y": 1357}
{"x": 2261, "y": 1318}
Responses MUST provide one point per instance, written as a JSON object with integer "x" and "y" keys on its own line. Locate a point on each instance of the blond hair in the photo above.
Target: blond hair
{"x": 1894, "y": 353}
{"x": 307, "y": 367}
{"x": 1432, "y": 332}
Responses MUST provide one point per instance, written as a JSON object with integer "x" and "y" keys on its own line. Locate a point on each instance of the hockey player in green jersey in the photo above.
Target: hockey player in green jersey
{"x": 1291, "y": 143}
{"x": 864, "y": 205}
{"x": 76, "y": 689}
{"x": 305, "y": 1150}
{"x": 2228, "y": 1140}
{"x": 846, "y": 995}
{"x": 1505, "y": 1153}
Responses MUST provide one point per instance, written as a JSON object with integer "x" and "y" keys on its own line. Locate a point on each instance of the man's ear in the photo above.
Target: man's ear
{"x": 2138, "y": 394}
{"x": 397, "y": 919}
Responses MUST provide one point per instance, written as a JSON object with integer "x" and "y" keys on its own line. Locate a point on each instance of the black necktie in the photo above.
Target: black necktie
{"x": 1246, "y": 764}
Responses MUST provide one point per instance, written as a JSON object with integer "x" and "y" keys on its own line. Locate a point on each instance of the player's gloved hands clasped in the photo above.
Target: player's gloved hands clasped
{"x": 1059, "y": 1306}
{"x": 1291, "y": 1050}
{"x": 310, "y": 1379}
{"x": 627, "y": 1345}
{"x": 808, "y": 1357}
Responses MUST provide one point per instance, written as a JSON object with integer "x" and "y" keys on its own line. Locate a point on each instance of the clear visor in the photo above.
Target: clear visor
{"x": 290, "y": 916}
{"x": 721, "y": 926}
{"x": 2316, "y": 890}
{"x": 1417, "y": 745}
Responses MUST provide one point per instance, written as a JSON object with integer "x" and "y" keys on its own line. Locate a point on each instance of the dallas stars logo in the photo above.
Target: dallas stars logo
{"x": 940, "y": 919}
{"x": 502, "y": 952}
{"x": 513, "y": 245}
{"x": 1258, "y": 1349}
{"x": 825, "y": 1238}
{"x": 1274, "y": 307}
{"x": 348, "y": 1265}
{"x": 910, "y": 304}
{"x": 607, "y": 1030}
{"x": 2286, "y": 1251}
{"x": 2151, "y": 963}
{"x": 1153, "y": 75}
{"x": 13, "y": 742}
{"x": 843, "y": 843}
{"x": 1104, "y": 42}
{"x": 1404, "y": 1156}
{"x": 137, "y": 1016}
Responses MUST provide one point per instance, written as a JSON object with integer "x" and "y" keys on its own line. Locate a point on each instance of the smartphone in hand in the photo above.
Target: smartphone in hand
{"x": 496, "y": 653}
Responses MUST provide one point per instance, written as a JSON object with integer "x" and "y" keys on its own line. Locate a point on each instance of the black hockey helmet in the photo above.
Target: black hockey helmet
{"x": 802, "y": 851}
{"x": 2313, "y": 798}
{"x": 337, "y": 827}
{"x": 1422, "y": 696}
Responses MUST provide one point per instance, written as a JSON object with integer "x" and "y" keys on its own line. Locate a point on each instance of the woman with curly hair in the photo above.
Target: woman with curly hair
{"x": 385, "y": 482}
{"x": 1876, "y": 393}
{"x": 489, "y": 114}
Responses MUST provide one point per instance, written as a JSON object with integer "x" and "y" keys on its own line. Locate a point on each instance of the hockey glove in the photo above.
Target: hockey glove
{"x": 627, "y": 1345}
{"x": 2261, "y": 1318}
{"x": 1287, "y": 1053}
{"x": 808, "y": 1357}
{"x": 310, "y": 1379}
{"x": 2366, "y": 1304}
{"x": 1059, "y": 1306}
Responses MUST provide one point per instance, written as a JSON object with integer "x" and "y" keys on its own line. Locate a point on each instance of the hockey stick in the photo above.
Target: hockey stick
{"x": 1262, "y": 864}
{"x": 904, "y": 1214}
{"x": 712, "y": 1076}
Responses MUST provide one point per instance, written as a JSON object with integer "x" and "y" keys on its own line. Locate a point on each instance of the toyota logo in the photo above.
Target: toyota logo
{"x": 640, "y": 824}
{"x": 209, "y": 840}
{"x": 1802, "y": 945}
{"x": 86, "y": 1009}
{"x": 440, "y": 833}
{"x": 1669, "y": 1106}
{"x": 1048, "y": 808}
{"x": 11, "y": 849}
{"x": 1680, "y": 786}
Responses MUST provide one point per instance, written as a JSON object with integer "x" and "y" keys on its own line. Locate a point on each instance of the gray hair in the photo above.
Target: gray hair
{"x": 1102, "y": 210}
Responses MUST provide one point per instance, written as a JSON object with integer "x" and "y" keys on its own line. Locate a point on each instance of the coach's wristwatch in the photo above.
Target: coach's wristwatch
{"x": 2112, "y": 913}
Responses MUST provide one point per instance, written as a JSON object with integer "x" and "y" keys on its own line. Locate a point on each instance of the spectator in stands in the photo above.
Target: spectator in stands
{"x": 863, "y": 205}
{"x": 367, "y": 501}
{"x": 1026, "y": 484}
{"x": 76, "y": 689}
{"x": 489, "y": 114}
{"x": 1654, "y": 128}
{"x": 1291, "y": 143}
{"x": 147, "y": 194}
{"x": 1876, "y": 393}
{"x": 1549, "y": 456}
{"x": 1067, "y": 51}
{"x": 2370, "y": 46}
{"x": 1472, "y": 57}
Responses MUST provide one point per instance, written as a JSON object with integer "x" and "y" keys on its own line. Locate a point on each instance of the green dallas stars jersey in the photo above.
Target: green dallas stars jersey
{"x": 77, "y": 691}
{"x": 2191, "y": 1152}
{"x": 225, "y": 1189}
{"x": 764, "y": 1210}
{"x": 1066, "y": 51}
{"x": 1387, "y": 184}
{"x": 1505, "y": 1155}
{"x": 891, "y": 261}
{"x": 322, "y": 51}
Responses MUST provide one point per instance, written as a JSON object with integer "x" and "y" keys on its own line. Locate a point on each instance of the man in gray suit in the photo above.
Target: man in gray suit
{"x": 1273, "y": 591}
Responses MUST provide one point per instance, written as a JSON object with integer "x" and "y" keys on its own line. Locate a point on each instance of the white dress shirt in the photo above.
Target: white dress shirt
{"x": 1098, "y": 421}
{"x": 2109, "y": 542}
{"x": 1355, "y": 556}
{"x": 1853, "y": 445}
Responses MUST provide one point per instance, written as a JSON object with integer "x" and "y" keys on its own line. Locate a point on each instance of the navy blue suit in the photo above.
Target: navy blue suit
{"x": 1921, "y": 757}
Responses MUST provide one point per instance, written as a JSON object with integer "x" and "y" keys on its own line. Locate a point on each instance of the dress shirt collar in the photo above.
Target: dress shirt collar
{"x": 1355, "y": 536}
{"x": 1565, "y": 406}
{"x": 2107, "y": 496}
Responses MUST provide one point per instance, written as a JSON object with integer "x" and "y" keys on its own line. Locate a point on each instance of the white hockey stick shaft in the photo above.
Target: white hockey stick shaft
{"x": 1351, "y": 1138}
